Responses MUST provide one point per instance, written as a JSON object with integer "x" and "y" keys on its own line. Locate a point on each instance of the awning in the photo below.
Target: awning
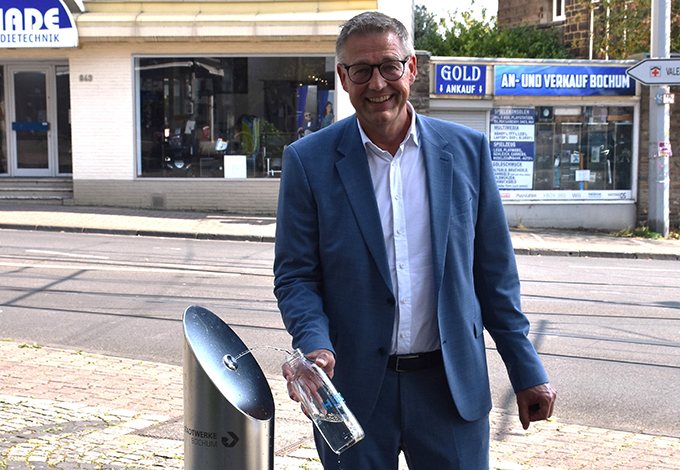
{"x": 213, "y": 24}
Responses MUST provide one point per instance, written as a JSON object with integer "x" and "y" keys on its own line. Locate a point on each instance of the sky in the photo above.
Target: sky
{"x": 441, "y": 7}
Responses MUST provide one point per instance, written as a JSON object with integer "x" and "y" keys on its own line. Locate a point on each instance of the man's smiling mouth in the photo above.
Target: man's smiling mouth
{"x": 380, "y": 99}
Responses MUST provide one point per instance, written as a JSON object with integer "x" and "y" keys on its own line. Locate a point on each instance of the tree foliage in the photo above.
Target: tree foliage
{"x": 465, "y": 36}
{"x": 622, "y": 28}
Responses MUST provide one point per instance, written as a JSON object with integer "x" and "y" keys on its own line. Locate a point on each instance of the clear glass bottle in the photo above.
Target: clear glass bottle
{"x": 323, "y": 404}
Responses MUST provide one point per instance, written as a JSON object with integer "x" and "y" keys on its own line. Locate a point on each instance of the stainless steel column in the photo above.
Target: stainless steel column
{"x": 228, "y": 414}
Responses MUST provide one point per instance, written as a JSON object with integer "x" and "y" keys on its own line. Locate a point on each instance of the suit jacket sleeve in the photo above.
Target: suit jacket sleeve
{"x": 497, "y": 285}
{"x": 297, "y": 271}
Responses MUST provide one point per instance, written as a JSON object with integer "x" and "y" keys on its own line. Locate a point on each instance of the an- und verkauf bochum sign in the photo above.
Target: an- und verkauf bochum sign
{"x": 36, "y": 23}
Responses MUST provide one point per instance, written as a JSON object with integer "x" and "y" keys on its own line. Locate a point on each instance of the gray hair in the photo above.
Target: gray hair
{"x": 373, "y": 22}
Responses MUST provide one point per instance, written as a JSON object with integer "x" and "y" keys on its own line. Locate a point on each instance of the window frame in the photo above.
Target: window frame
{"x": 558, "y": 10}
{"x": 136, "y": 59}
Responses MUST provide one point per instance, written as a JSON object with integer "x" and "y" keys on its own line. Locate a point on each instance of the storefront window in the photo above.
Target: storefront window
{"x": 220, "y": 117}
{"x": 3, "y": 139}
{"x": 546, "y": 151}
{"x": 64, "y": 119}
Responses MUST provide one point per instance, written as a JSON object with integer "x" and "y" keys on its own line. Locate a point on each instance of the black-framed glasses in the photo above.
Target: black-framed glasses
{"x": 392, "y": 70}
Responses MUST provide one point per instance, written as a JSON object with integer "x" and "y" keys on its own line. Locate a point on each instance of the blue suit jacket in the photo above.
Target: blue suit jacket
{"x": 332, "y": 278}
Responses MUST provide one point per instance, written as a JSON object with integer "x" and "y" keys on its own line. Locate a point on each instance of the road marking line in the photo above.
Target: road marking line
{"x": 59, "y": 253}
{"x": 120, "y": 269}
{"x": 537, "y": 237}
{"x": 625, "y": 269}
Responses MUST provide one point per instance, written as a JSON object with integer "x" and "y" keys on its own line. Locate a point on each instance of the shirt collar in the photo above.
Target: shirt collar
{"x": 412, "y": 132}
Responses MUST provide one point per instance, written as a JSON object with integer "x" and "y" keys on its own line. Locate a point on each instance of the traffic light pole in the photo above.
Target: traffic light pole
{"x": 659, "y": 124}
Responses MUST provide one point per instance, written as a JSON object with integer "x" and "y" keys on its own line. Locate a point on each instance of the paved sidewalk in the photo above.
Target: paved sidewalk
{"x": 69, "y": 410}
{"x": 206, "y": 225}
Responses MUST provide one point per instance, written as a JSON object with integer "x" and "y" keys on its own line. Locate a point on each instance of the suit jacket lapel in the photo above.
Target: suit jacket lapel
{"x": 439, "y": 168}
{"x": 356, "y": 178}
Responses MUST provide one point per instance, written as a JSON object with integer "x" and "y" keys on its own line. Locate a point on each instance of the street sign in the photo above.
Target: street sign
{"x": 656, "y": 72}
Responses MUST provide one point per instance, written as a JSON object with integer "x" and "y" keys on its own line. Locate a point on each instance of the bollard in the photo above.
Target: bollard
{"x": 228, "y": 414}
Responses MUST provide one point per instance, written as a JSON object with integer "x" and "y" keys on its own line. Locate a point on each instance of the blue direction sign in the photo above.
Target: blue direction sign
{"x": 656, "y": 71}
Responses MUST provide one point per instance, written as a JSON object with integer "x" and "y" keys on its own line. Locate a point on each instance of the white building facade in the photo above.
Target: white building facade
{"x": 182, "y": 105}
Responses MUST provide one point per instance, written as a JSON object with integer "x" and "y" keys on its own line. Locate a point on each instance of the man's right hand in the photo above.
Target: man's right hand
{"x": 321, "y": 357}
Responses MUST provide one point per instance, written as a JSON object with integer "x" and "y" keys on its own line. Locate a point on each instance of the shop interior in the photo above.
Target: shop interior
{"x": 583, "y": 148}
{"x": 228, "y": 117}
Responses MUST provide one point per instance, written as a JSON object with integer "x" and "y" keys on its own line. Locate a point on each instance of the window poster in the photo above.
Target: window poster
{"x": 512, "y": 147}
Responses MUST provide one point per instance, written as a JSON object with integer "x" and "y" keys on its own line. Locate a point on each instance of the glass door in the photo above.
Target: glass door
{"x": 30, "y": 117}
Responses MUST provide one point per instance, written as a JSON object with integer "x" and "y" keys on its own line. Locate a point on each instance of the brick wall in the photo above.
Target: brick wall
{"x": 102, "y": 104}
{"x": 252, "y": 196}
{"x": 420, "y": 90}
{"x": 674, "y": 160}
{"x": 512, "y": 13}
{"x": 576, "y": 30}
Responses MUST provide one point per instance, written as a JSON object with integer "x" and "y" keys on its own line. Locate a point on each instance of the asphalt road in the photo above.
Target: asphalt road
{"x": 607, "y": 330}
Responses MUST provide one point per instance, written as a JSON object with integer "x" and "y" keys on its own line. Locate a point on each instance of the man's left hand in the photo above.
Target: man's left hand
{"x": 536, "y": 403}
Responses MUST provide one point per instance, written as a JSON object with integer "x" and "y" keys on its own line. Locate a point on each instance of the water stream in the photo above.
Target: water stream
{"x": 232, "y": 362}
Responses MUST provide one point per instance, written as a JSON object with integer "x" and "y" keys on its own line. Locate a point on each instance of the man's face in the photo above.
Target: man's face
{"x": 380, "y": 104}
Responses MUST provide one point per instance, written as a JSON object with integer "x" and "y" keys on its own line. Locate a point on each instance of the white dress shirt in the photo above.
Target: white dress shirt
{"x": 400, "y": 186}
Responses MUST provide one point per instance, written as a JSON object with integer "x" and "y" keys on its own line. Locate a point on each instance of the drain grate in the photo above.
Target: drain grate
{"x": 172, "y": 429}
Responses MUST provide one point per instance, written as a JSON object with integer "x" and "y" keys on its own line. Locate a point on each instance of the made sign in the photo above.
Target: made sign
{"x": 36, "y": 23}
{"x": 656, "y": 71}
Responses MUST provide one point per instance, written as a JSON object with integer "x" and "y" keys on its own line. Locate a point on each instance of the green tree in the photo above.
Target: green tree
{"x": 426, "y": 30}
{"x": 465, "y": 36}
{"x": 622, "y": 27}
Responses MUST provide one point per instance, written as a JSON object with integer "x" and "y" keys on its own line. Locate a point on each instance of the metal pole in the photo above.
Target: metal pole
{"x": 659, "y": 123}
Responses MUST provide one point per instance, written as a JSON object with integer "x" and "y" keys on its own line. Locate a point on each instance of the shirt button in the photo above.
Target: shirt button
{"x": 401, "y": 266}
{"x": 399, "y": 231}
{"x": 403, "y": 335}
{"x": 404, "y": 301}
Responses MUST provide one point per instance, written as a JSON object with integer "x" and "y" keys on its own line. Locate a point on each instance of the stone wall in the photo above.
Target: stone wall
{"x": 674, "y": 163}
{"x": 576, "y": 30}
{"x": 512, "y": 13}
{"x": 257, "y": 196}
{"x": 675, "y": 160}
{"x": 420, "y": 90}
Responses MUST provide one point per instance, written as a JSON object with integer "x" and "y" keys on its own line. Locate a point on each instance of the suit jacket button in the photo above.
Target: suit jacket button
{"x": 382, "y": 351}
{"x": 391, "y": 302}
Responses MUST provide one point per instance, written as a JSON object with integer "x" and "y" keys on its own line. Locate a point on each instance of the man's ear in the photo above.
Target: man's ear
{"x": 343, "y": 76}
{"x": 412, "y": 65}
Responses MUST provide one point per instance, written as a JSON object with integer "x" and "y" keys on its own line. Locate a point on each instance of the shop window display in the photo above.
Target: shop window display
{"x": 579, "y": 148}
{"x": 3, "y": 140}
{"x": 216, "y": 117}
{"x": 65, "y": 154}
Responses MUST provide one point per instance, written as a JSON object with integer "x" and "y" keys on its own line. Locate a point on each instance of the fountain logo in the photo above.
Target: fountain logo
{"x": 230, "y": 441}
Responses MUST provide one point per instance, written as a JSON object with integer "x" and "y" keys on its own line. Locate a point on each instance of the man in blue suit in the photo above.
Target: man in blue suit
{"x": 392, "y": 256}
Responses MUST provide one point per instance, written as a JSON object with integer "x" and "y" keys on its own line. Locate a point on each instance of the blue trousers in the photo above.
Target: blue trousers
{"x": 415, "y": 414}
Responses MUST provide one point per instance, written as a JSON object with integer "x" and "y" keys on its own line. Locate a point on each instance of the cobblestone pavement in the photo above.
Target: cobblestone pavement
{"x": 48, "y": 434}
{"x": 68, "y": 410}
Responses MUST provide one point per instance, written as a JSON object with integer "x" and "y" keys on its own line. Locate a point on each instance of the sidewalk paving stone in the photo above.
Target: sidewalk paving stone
{"x": 219, "y": 226}
{"x": 46, "y": 426}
